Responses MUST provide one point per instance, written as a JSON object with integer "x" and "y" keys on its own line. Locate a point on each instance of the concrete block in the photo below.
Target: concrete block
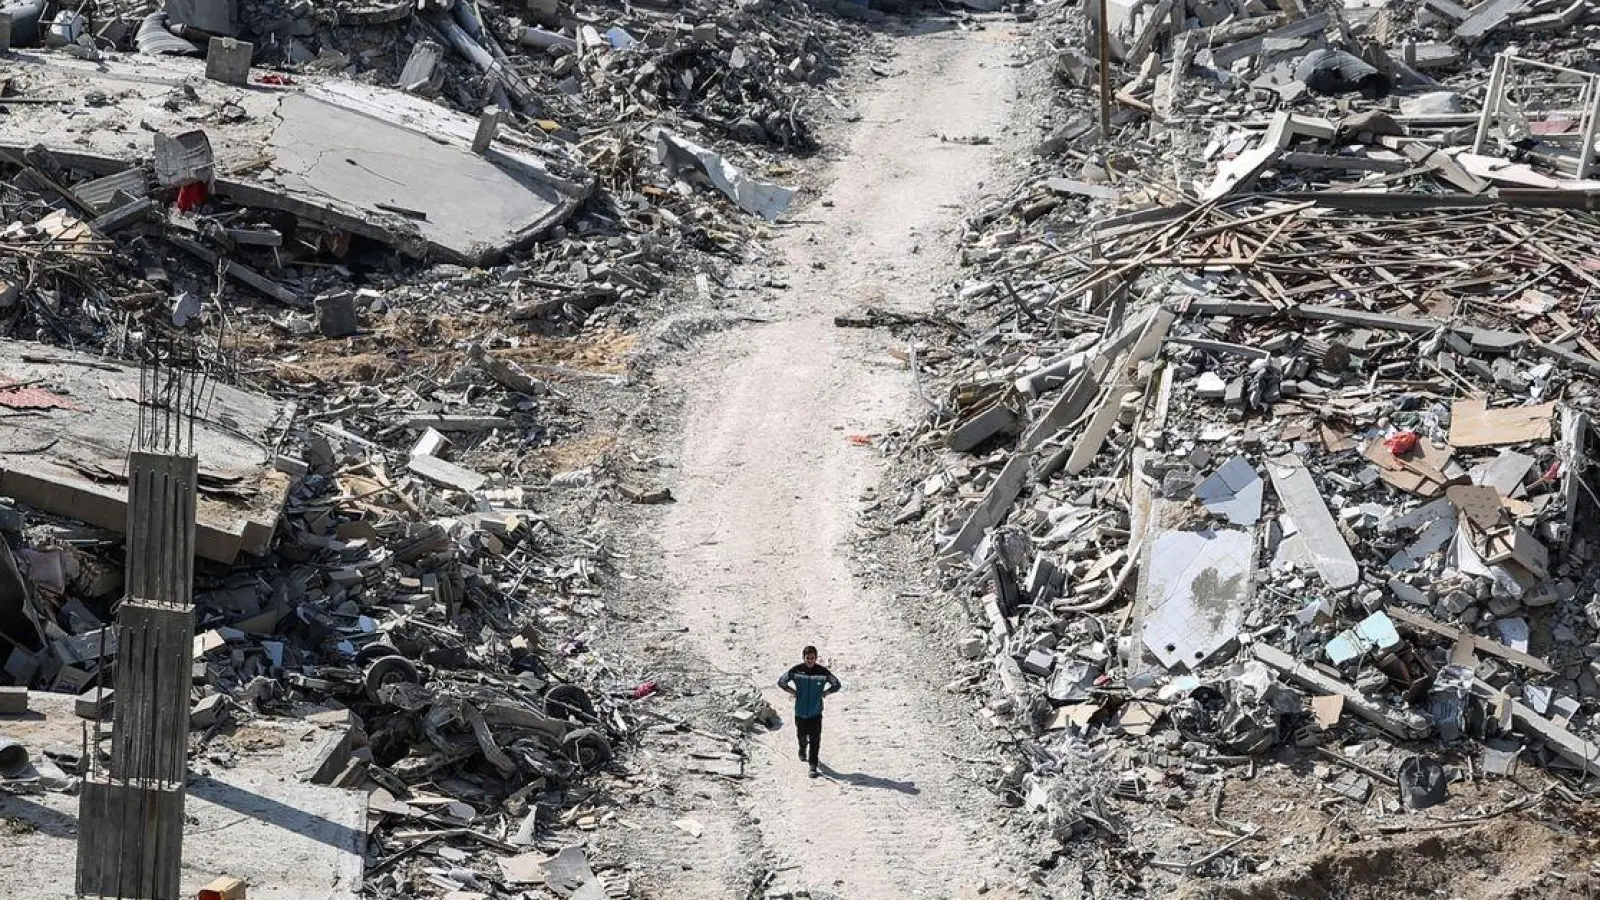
{"x": 289, "y": 465}
{"x": 333, "y": 753}
{"x": 208, "y": 711}
{"x": 5, "y": 32}
{"x": 432, "y": 443}
{"x": 13, "y": 701}
{"x": 123, "y": 216}
{"x": 336, "y": 315}
{"x": 1038, "y": 662}
{"x": 972, "y": 648}
{"x": 228, "y": 60}
{"x": 446, "y": 474}
{"x": 94, "y": 704}
{"x": 488, "y": 127}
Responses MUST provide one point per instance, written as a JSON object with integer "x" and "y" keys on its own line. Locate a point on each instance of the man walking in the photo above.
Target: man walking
{"x": 808, "y": 682}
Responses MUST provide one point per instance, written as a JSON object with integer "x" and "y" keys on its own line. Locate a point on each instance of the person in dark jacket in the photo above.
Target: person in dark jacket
{"x": 808, "y": 682}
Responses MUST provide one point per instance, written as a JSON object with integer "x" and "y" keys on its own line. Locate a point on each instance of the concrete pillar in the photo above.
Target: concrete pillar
{"x": 130, "y": 822}
{"x": 488, "y": 127}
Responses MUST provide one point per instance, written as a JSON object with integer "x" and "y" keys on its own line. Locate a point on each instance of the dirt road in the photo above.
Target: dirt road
{"x": 770, "y": 483}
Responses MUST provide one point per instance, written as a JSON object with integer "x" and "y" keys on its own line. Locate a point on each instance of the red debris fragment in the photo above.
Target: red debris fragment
{"x": 16, "y": 396}
{"x": 191, "y": 195}
{"x": 1402, "y": 443}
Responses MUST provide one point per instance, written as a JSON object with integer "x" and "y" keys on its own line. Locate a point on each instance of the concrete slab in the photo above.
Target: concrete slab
{"x": 1303, "y": 502}
{"x": 368, "y": 160}
{"x": 68, "y": 454}
{"x": 1233, "y": 491}
{"x": 290, "y": 841}
{"x": 1198, "y": 587}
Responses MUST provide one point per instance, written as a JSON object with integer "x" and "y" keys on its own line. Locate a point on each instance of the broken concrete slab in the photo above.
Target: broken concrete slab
{"x": 94, "y": 704}
{"x": 289, "y": 840}
{"x": 1233, "y": 491}
{"x": 1303, "y": 502}
{"x": 68, "y": 457}
{"x": 1581, "y": 753}
{"x": 1505, "y": 473}
{"x": 1198, "y": 586}
{"x": 370, "y": 161}
{"x": 447, "y": 474}
{"x": 568, "y": 874}
{"x": 752, "y": 195}
{"x": 985, "y": 425}
{"x": 228, "y": 60}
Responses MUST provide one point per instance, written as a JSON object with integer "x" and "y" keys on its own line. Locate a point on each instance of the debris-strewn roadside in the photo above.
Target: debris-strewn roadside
{"x": 409, "y": 244}
{"x": 1259, "y": 443}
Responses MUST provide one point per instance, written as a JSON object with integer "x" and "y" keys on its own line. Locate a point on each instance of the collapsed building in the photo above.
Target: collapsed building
{"x": 372, "y": 231}
{"x": 1260, "y": 434}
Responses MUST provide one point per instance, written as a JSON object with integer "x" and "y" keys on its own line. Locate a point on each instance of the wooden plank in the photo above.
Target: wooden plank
{"x": 1072, "y": 403}
{"x": 1303, "y": 502}
{"x": 1354, "y": 701}
{"x": 1484, "y": 338}
{"x": 1581, "y": 753}
{"x": 1482, "y": 645}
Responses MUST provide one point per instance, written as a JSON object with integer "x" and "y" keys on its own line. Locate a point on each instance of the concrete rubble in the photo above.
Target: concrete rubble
{"x": 1260, "y": 433}
{"x": 1259, "y": 449}
{"x": 403, "y": 243}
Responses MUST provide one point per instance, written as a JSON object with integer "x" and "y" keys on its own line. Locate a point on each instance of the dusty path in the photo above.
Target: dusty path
{"x": 758, "y": 544}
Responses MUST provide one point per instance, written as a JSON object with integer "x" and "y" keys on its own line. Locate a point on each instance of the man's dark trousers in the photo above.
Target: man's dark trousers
{"x": 810, "y": 733}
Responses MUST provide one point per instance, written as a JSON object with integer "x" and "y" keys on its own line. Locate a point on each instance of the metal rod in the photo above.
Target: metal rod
{"x": 1105, "y": 73}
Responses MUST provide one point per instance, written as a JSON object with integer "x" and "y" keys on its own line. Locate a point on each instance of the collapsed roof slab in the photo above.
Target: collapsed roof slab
{"x": 287, "y": 839}
{"x": 367, "y": 160}
{"x": 70, "y": 420}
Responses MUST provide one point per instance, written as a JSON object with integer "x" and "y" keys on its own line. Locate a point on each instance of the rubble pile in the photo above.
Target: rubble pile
{"x": 593, "y": 131}
{"x": 380, "y": 228}
{"x": 1259, "y": 435}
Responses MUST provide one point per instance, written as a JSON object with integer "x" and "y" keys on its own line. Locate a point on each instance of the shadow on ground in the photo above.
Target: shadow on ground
{"x": 859, "y": 779}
